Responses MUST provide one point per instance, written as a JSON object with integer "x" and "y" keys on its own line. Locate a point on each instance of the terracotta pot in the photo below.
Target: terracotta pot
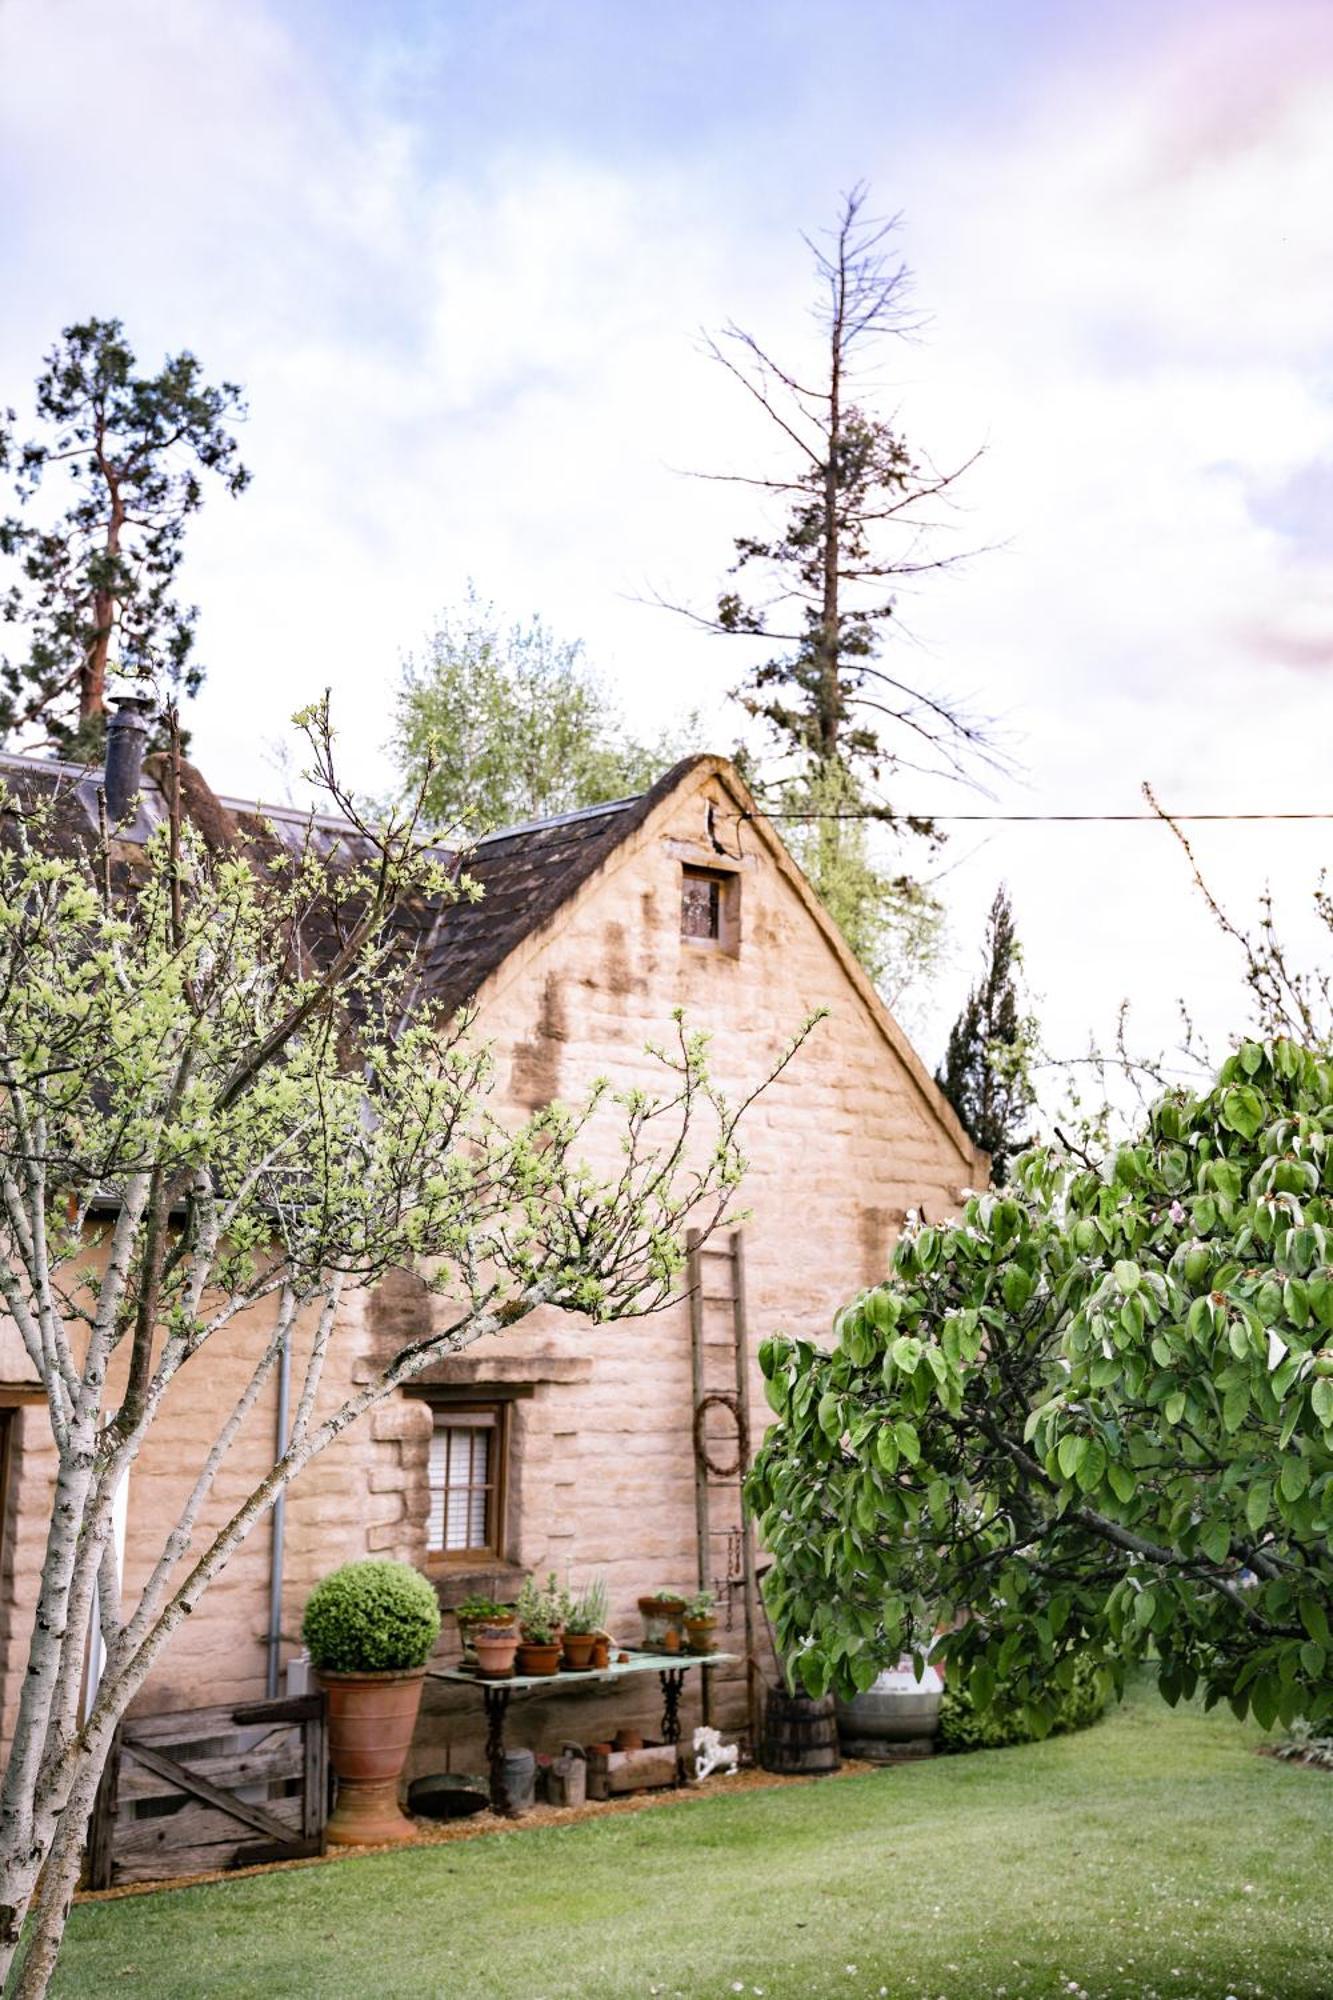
{"x": 468, "y": 1629}
{"x": 601, "y": 1650}
{"x": 577, "y": 1656}
{"x": 699, "y": 1633}
{"x": 670, "y": 1640}
{"x": 495, "y": 1649}
{"x": 661, "y": 1617}
{"x": 535, "y": 1659}
{"x": 371, "y": 1719}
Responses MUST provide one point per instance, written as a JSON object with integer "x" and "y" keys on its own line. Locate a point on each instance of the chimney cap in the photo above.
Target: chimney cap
{"x": 131, "y": 708}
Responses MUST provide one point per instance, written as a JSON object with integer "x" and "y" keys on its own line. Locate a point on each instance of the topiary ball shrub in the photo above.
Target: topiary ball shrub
{"x": 998, "y": 1728}
{"x": 371, "y": 1618}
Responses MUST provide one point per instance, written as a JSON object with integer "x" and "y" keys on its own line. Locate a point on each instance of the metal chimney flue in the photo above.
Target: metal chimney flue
{"x": 126, "y": 735}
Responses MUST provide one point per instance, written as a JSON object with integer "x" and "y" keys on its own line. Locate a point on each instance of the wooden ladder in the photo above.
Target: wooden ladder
{"x": 719, "y": 1353}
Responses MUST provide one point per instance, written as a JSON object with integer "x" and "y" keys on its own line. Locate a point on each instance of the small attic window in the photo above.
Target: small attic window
{"x": 708, "y": 906}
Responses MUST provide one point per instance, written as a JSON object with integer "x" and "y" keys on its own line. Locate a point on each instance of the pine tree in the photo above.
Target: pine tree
{"x": 987, "y": 1069}
{"x": 94, "y": 593}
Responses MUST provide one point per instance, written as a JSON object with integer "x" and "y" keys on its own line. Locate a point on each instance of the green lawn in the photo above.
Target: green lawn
{"x": 1154, "y": 1855}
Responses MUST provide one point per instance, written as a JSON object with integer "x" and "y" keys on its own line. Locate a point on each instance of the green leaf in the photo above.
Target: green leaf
{"x": 1243, "y": 1111}
{"x": 1145, "y": 1604}
{"x": 1258, "y": 1501}
{"x": 1128, "y": 1276}
{"x": 1069, "y": 1455}
{"x": 1121, "y": 1481}
{"x": 1315, "y": 1619}
{"x": 1294, "y": 1477}
{"x": 909, "y": 1444}
{"x": 1215, "y": 1541}
{"x": 1235, "y": 1404}
{"x": 1321, "y": 1402}
{"x": 830, "y": 1416}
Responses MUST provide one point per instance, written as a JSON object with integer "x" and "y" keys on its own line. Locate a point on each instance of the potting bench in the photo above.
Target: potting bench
{"x": 670, "y": 1668}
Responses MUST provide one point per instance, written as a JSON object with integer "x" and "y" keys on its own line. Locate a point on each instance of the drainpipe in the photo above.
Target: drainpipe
{"x": 273, "y": 1640}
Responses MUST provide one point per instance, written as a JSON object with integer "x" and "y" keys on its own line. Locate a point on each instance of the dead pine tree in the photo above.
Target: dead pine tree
{"x": 855, "y": 517}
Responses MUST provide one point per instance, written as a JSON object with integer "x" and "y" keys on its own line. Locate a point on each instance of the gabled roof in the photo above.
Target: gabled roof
{"x": 530, "y": 875}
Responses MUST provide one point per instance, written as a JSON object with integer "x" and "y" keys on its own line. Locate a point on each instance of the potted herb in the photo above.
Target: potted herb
{"x": 661, "y": 1613}
{"x": 584, "y": 1627}
{"x": 370, "y": 1628}
{"x": 474, "y": 1612}
{"x": 541, "y": 1619}
{"x": 700, "y": 1622}
{"x": 495, "y": 1648}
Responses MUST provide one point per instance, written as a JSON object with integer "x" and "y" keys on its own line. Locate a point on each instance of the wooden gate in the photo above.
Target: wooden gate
{"x": 211, "y": 1788}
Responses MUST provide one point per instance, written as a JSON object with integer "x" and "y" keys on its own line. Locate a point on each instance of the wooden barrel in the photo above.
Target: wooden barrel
{"x": 800, "y": 1736}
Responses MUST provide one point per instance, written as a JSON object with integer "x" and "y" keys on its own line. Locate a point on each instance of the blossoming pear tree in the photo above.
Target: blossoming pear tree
{"x": 224, "y": 1091}
{"x": 1093, "y": 1417}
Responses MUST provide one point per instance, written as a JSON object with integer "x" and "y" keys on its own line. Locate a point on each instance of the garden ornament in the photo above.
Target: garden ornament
{"x": 712, "y": 1754}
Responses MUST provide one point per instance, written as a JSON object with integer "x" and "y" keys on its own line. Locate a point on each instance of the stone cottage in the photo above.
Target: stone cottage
{"x": 560, "y": 1446}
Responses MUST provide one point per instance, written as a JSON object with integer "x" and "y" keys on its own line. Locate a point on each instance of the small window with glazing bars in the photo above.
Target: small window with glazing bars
{"x": 465, "y": 1479}
{"x": 706, "y": 898}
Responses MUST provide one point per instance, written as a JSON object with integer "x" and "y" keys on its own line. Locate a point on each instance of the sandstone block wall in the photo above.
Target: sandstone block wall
{"x": 601, "y": 1455}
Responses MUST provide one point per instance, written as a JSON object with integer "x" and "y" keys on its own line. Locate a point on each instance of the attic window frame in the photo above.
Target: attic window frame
{"x": 726, "y": 885}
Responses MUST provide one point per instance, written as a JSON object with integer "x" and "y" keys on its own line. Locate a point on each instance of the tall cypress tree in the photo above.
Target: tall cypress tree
{"x": 987, "y": 1070}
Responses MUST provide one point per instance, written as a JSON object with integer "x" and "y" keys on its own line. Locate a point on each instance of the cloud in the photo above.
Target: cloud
{"x": 470, "y": 350}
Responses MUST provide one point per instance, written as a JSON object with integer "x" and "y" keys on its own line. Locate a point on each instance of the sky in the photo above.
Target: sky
{"x": 460, "y": 255}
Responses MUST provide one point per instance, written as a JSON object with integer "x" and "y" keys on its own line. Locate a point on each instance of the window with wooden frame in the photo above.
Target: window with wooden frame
{"x": 466, "y": 1482}
{"x": 709, "y": 913}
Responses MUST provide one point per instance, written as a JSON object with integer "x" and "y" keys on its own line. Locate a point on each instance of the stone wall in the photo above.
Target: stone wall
{"x": 601, "y": 1466}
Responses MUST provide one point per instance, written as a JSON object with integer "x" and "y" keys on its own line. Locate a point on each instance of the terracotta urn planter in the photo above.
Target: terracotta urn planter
{"x": 538, "y": 1659}
{"x": 495, "y": 1647}
{"x": 699, "y": 1634}
{"x": 577, "y": 1656}
{"x": 371, "y": 1719}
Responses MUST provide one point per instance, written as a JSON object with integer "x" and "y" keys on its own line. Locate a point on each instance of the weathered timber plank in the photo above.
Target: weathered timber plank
{"x": 278, "y": 1756}
{"x": 162, "y": 1839}
{"x": 190, "y": 1782}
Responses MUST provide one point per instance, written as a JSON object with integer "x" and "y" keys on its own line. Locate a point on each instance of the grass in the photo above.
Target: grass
{"x": 1155, "y": 1857}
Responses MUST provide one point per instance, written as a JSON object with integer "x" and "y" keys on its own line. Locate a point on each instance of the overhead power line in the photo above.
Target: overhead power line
{"x": 1061, "y": 819}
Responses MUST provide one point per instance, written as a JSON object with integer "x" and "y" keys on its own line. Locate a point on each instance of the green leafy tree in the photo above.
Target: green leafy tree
{"x": 1090, "y": 1420}
{"x": 508, "y": 723}
{"x": 95, "y": 591}
{"x": 227, "y": 1101}
{"x": 987, "y": 1070}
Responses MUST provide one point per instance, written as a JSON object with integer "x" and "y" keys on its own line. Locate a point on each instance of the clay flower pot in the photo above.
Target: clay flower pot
{"x": 495, "y": 1647}
{"x": 371, "y": 1719}
{"x": 468, "y": 1629}
{"x": 535, "y": 1659}
{"x": 601, "y": 1650}
{"x": 661, "y": 1616}
{"x": 699, "y": 1634}
{"x": 577, "y": 1656}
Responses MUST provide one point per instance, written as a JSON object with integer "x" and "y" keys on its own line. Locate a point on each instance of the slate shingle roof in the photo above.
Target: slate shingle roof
{"x": 526, "y": 873}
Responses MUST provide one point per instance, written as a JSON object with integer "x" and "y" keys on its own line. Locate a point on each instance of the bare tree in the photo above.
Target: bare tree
{"x": 859, "y": 513}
